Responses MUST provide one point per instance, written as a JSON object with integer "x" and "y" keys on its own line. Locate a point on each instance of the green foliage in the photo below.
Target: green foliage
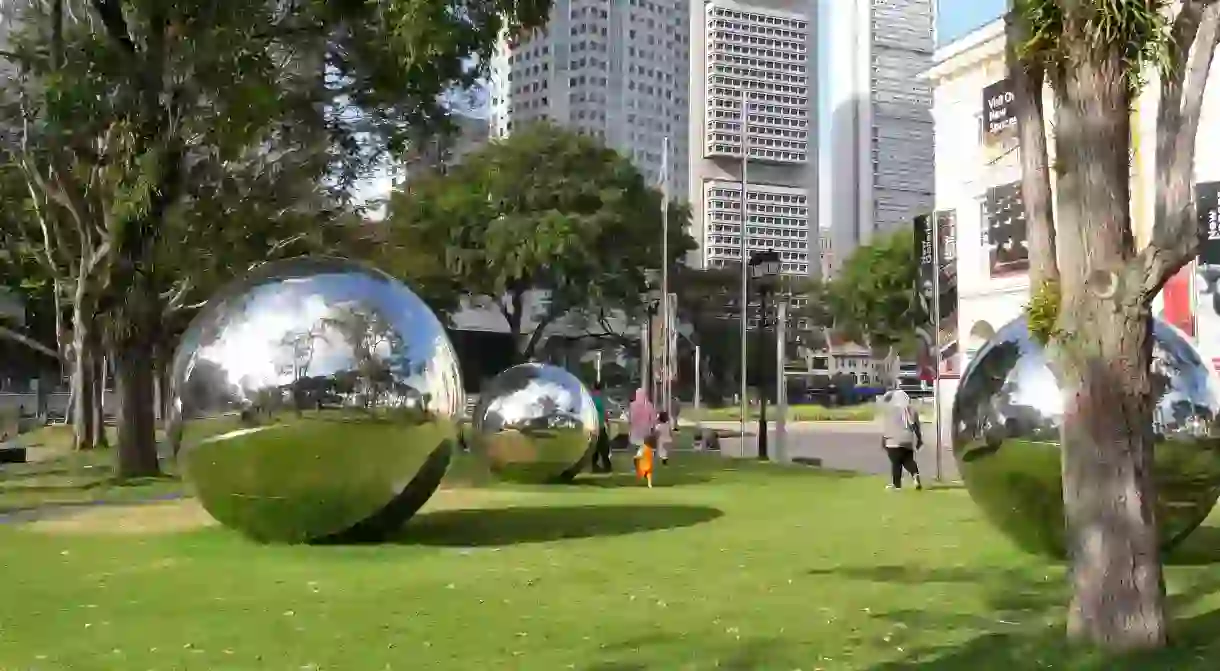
{"x": 545, "y": 209}
{"x": 1138, "y": 30}
{"x": 1042, "y": 312}
{"x": 873, "y": 299}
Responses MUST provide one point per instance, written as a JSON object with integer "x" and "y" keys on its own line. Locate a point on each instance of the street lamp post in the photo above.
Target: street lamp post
{"x": 765, "y": 267}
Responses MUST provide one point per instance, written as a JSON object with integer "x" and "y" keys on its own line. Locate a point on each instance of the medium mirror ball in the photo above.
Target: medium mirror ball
{"x": 315, "y": 399}
{"x": 1006, "y": 419}
{"x": 535, "y": 423}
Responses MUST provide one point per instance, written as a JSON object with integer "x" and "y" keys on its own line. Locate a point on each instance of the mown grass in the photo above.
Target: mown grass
{"x": 724, "y": 565}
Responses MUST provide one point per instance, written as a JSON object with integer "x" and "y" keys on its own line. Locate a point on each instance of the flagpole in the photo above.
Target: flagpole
{"x": 665, "y": 328}
{"x": 745, "y": 263}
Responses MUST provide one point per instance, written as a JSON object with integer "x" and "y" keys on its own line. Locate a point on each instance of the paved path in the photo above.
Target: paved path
{"x": 853, "y": 446}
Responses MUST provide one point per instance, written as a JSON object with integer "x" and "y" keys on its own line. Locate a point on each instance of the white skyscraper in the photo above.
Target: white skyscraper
{"x": 879, "y": 169}
{"x": 764, "y": 50}
{"x": 615, "y": 69}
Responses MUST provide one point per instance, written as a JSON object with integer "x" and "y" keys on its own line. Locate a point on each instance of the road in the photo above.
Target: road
{"x": 853, "y": 446}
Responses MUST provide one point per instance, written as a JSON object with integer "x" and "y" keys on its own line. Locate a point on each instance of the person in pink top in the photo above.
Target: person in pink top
{"x": 641, "y": 419}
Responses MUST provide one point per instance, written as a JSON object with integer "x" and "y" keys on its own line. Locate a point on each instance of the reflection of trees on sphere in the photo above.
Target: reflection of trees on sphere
{"x": 1007, "y": 416}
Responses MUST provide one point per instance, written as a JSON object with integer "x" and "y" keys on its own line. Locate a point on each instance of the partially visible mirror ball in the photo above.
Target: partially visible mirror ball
{"x": 317, "y": 399}
{"x": 1006, "y": 420}
{"x": 535, "y": 423}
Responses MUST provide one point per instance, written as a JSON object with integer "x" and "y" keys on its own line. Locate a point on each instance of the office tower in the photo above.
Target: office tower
{"x": 880, "y": 170}
{"x": 615, "y": 69}
{"x": 763, "y": 51}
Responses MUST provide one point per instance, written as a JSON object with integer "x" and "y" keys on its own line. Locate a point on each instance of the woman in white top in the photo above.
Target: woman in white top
{"x": 900, "y": 436}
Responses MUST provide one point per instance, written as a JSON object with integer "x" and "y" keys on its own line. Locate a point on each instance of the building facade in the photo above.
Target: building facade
{"x": 762, "y": 55}
{"x": 616, "y": 70}
{"x": 977, "y": 182}
{"x": 878, "y": 173}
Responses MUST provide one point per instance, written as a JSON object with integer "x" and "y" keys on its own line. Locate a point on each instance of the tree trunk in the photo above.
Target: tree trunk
{"x": 137, "y": 430}
{"x": 98, "y": 391}
{"x": 82, "y": 397}
{"x": 1101, "y": 355}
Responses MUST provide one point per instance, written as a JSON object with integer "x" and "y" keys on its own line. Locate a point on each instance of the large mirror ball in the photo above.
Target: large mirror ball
{"x": 1006, "y": 420}
{"x": 315, "y": 400}
{"x": 535, "y": 423}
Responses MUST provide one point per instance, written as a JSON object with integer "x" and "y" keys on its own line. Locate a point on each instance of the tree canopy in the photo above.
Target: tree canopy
{"x": 545, "y": 210}
{"x": 872, "y": 300}
{"x": 166, "y": 144}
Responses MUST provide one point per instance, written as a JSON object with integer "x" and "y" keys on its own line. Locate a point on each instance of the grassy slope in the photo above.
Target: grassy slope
{"x": 746, "y": 567}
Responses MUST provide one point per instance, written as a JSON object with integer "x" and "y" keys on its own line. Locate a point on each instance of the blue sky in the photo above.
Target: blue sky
{"x": 958, "y": 17}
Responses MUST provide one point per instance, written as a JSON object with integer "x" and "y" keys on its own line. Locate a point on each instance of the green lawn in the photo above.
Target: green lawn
{"x": 725, "y": 565}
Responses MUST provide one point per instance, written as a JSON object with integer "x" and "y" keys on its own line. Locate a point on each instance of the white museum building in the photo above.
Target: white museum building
{"x": 977, "y": 178}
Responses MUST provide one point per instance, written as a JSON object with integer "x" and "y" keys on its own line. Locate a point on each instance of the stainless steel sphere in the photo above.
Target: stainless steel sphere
{"x": 1006, "y": 419}
{"x": 535, "y": 423}
{"x": 315, "y": 399}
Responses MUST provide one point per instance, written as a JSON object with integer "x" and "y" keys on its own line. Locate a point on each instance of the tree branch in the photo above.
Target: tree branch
{"x": 1175, "y": 234}
{"x": 111, "y": 14}
{"x": 1028, "y": 78}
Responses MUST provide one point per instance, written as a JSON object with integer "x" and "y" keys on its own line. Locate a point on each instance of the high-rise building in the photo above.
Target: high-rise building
{"x": 615, "y": 69}
{"x": 761, "y": 54}
{"x": 879, "y": 171}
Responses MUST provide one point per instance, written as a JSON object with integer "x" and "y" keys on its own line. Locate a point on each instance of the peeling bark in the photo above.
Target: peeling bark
{"x": 1103, "y": 360}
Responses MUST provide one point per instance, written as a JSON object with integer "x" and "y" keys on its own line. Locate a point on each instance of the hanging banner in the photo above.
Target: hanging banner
{"x": 1206, "y": 291}
{"x": 999, "y": 114}
{"x": 1004, "y": 221}
{"x": 1176, "y": 301}
{"x": 938, "y": 341}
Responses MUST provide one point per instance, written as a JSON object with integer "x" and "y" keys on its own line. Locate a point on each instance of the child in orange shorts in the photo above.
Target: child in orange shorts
{"x": 643, "y": 460}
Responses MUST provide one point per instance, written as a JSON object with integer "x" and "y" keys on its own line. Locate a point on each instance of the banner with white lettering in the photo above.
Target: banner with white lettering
{"x": 944, "y": 332}
{"x": 1207, "y": 272}
{"x": 999, "y": 116}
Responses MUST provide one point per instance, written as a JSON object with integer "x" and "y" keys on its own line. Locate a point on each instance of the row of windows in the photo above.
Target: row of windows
{"x": 727, "y": 98}
{"x": 763, "y": 196}
{"x": 787, "y": 268}
{"x": 778, "y": 156}
{"x": 736, "y": 240}
{"x": 733, "y": 86}
{"x": 780, "y": 24}
{"x": 715, "y": 37}
{"x": 769, "y": 122}
{"x": 757, "y": 74}
{"x": 768, "y": 65}
{"x": 729, "y": 222}
{"x": 728, "y": 48}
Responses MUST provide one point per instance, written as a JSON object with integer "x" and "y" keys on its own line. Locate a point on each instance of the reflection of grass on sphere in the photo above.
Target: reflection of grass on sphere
{"x": 742, "y": 566}
{"x": 296, "y": 478}
{"x": 1020, "y": 487}
{"x": 534, "y": 455}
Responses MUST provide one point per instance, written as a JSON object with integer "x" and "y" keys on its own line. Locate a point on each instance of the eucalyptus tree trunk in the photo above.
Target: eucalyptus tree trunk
{"x": 134, "y": 347}
{"x": 1101, "y": 353}
{"x": 82, "y": 395}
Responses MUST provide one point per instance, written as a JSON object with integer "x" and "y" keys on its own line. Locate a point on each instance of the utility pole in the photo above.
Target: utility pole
{"x": 665, "y": 325}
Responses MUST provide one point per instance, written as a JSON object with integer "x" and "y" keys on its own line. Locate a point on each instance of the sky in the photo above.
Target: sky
{"x": 955, "y": 18}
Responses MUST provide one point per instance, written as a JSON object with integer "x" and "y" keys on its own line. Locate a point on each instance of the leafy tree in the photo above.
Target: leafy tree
{"x": 120, "y": 103}
{"x": 1092, "y": 287}
{"x": 545, "y": 210}
{"x": 872, "y": 300}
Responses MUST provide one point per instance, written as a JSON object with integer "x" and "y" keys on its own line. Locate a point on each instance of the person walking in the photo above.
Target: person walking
{"x": 641, "y": 419}
{"x": 665, "y": 437}
{"x": 601, "y": 452}
{"x": 901, "y": 436}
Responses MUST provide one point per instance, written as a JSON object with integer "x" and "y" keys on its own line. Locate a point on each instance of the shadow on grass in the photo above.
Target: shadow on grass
{"x": 1201, "y": 548}
{"x": 529, "y": 524}
{"x": 662, "y": 477}
{"x": 1025, "y": 625}
{"x": 751, "y": 654}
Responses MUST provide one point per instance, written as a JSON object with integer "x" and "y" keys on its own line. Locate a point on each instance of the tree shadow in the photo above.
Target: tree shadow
{"x": 539, "y": 524}
{"x": 662, "y": 477}
{"x": 1024, "y": 627}
{"x": 1200, "y": 548}
{"x": 747, "y": 655}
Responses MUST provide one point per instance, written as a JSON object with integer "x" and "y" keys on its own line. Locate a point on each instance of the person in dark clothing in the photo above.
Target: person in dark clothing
{"x": 601, "y": 453}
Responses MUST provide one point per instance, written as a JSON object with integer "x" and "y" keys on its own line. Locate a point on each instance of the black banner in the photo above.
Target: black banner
{"x": 945, "y": 331}
{"x": 1006, "y": 236}
{"x": 999, "y": 115}
{"x": 1207, "y": 199}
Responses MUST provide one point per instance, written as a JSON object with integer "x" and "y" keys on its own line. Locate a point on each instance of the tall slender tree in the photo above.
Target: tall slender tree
{"x": 1092, "y": 287}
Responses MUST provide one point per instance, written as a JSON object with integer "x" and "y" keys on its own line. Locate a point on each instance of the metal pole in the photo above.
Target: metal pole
{"x": 781, "y": 386}
{"x": 599, "y": 366}
{"x": 698, "y": 401}
{"x": 934, "y": 224}
{"x": 745, "y": 262}
{"x": 762, "y": 383}
{"x": 665, "y": 325}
